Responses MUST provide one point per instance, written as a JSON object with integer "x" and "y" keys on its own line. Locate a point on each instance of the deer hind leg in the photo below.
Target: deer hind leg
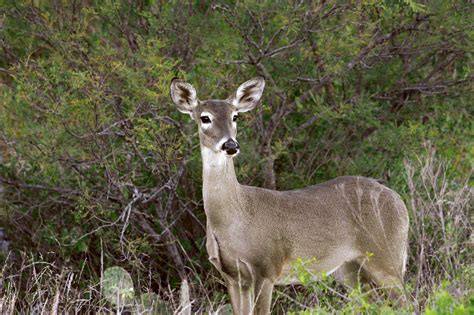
{"x": 351, "y": 274}
{"x": 386, "y": 276}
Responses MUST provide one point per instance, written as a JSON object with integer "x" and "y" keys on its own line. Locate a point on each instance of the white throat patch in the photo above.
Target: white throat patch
{"x": 212, "y": 160}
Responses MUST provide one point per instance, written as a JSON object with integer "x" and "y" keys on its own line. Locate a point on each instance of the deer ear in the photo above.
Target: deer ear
{"x": 248, "y": 94}
{"x": 183, "y": 95}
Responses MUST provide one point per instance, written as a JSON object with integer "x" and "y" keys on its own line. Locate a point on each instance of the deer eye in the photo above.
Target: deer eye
{"x": 205, "y": 119}
{"x": 235, "y": 118}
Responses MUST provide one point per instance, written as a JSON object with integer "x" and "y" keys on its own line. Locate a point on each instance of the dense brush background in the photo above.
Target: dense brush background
{"x": 98, "y": 169}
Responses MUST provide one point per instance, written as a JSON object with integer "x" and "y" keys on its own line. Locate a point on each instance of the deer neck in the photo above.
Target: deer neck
{"x": 220, "y": 187}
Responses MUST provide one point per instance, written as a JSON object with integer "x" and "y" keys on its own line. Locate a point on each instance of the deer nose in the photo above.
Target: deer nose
{"x": 231, "y": 147}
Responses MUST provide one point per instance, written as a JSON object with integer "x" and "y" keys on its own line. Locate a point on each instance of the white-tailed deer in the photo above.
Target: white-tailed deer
{"x": 349, "y": 226}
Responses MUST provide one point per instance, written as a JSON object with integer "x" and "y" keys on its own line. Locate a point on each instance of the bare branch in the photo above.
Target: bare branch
{"x": 279, "y": 50}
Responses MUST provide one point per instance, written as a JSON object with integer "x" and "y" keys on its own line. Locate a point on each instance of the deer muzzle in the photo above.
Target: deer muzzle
{"x": 231, "y": 147}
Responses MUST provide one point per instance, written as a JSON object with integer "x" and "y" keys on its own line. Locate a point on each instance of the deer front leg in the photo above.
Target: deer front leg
{"x": 248, "y": 300}
{"x": 240, "y": 298}
{"x": 263, "y": 296}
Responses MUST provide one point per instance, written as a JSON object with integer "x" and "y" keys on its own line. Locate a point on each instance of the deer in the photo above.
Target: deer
{"x": 351, "y": 227}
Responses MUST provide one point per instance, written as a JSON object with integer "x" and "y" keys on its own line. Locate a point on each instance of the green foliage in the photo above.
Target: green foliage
{"x": 117, "y": 286}
{"x": 149, "y": 303}
{"x": 118, "y": 290}
{"x": 445, "y": 303}
{"x": 446, "y": 300}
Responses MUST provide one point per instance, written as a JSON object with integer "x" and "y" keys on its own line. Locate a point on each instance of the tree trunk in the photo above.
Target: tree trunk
{"x": 268, "y": 170}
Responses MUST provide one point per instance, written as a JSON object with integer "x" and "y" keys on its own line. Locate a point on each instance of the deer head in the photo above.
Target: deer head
{"x": 217, "y": 119}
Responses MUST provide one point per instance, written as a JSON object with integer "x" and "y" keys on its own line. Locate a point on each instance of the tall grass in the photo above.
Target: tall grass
{"x": 441, "y": 230}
